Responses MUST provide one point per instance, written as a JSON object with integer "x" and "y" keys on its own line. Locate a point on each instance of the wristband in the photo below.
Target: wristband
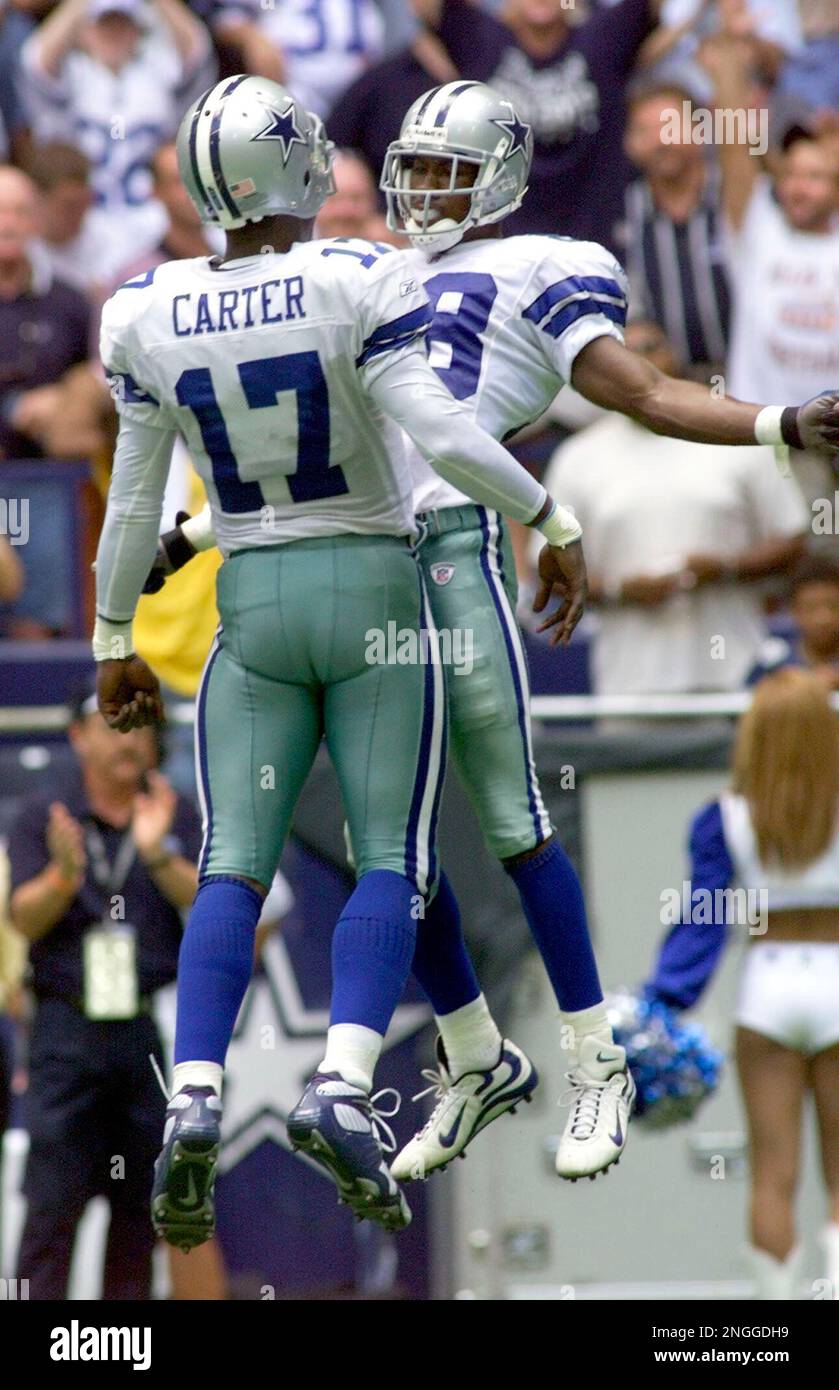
{"x": 768, "y": 425}
{"x": 776, "y": 425}
{"x": 112, "y": 641}
{"x": 790, "y": 432}
{"x": 177, "y": 548}
{"x": 198, "y": 530}
{"x": 560, "y": 527}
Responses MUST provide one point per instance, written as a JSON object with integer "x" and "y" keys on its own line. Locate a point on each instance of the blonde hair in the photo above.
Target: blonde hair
{"x": 786, "y": 765}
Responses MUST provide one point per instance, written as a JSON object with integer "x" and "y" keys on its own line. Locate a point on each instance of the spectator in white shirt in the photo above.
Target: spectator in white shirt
{"x": 677, "y": 537}
{"x": 783, "y": 250}
{"x": 83, "y": 245}
{"x": 113, "y": 77}
{"x": 321, "y": 48}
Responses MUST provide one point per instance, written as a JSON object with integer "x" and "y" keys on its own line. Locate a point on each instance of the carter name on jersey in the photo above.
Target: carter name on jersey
{"x": 222, "y": 311}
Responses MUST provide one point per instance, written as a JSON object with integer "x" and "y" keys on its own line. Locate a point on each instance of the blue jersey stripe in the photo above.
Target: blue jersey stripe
{"x": 139, "y": 282}
{"x": 563, "y": 318}
{"x": 395, "y": 334}
{"x": 131, "y": 391}
{"x": 571, "y": 285}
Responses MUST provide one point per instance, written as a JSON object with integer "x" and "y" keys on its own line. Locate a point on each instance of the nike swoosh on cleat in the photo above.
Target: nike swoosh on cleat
{"x": 617, "y": 1138}
{"x": 514, "y": 1063}
{"x": 615, "y": 1057}
{"x": 446, "y": 1140}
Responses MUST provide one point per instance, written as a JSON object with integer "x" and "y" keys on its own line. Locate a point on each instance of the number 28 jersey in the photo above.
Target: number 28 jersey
{"x": 262, "y": 365}
{"x": 508, "y": 319}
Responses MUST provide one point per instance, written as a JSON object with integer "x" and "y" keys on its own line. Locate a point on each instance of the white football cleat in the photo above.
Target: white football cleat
{"x": 601, "y": 1098}
{"x": 465, "y": 1107}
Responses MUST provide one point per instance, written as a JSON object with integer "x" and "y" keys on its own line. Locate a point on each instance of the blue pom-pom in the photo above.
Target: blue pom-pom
{"x": 673, "y": 1064}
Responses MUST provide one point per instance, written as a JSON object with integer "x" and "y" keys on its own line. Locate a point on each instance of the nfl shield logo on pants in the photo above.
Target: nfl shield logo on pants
{"x": 441, "y": 574}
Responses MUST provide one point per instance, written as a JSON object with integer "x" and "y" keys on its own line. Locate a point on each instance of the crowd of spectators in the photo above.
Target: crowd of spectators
{"x": 698, "y": 139}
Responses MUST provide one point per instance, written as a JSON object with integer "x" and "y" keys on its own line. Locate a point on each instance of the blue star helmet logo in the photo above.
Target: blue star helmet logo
{"x": 518, "y": 133}
{"x": 281, "y": 127}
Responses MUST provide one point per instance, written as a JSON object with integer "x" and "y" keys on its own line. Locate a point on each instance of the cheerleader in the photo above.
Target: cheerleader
{"x": 775, "y": 833}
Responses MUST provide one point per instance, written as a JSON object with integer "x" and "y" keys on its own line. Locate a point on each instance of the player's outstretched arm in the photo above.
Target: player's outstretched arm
{"x": 611, "y": 376}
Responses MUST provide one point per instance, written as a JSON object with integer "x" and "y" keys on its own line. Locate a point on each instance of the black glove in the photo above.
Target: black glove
{"x": 173, "y": 552}
{"x": 814, "y": 425}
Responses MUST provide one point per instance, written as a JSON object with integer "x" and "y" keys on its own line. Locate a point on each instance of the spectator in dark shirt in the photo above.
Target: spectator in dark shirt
{"x": 568, "y": 84}
{"x": 369, "y": 114}
{"x": 98, "y": 886}
{"x": 673, "y": 243}
{"x": 44, "y": 324}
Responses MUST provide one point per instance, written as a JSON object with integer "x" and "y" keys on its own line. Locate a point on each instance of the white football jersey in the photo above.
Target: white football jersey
{"x": 326, "y": 44}
{"x": 118, "y": 119}
{"x": 262, "y": 364}
{"x": 508, "y": 318}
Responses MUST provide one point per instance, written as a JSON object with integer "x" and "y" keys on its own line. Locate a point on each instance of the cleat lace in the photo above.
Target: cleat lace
{"x": 155, "y": 1066}
{"x": 379, "y": 1119}
{"x": 439, "y": 1087}
{"x": 585, "y": 1094}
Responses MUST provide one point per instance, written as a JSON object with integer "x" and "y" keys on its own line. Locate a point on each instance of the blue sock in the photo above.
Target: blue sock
{"x": 372, "y": 949}
{"x": 214, "y": 967}
{"x": 552, "y": 898}
{"x": 441, "y": 962}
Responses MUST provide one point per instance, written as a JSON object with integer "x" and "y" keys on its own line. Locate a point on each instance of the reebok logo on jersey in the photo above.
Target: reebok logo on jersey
{"x": 441, "y": 574}
{"x": 408, "y": 287}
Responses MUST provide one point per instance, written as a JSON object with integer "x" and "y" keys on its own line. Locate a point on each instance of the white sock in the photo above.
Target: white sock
{"x": 197, "y": 1074}
{"x": 591, "y": 1022}
{"x": 353, "y": 1051}
{"x": 830, "y": 1240}
{"x": 775, "y": 1280}
{"x": 470, "y": 1037}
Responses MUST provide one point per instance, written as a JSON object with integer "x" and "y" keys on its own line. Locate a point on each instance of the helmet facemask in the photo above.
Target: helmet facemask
{"x": 413, "y": 211}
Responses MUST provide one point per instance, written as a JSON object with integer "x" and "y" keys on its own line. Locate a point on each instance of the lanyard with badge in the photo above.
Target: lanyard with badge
{"x": 110, "y": 990}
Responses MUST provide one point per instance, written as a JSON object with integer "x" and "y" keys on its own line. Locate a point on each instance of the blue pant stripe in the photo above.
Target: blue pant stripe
{"x": 202, "y": 767}
{"x": 514, "y": 671}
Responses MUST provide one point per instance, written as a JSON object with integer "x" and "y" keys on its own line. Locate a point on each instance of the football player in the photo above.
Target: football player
{"x": 513, "y": 321}
{"x": 279, "y": 364}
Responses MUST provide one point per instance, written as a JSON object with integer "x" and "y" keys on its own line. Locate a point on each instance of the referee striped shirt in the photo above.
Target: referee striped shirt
{"x": 677, "y": 273}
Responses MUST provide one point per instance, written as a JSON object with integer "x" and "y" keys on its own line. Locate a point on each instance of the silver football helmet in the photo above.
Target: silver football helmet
{"x": 248, "y": 150}
{"x": 465, "y": 123}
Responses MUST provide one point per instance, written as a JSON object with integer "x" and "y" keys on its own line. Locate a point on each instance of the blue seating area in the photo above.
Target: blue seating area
{"x": 47, "y": 496}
